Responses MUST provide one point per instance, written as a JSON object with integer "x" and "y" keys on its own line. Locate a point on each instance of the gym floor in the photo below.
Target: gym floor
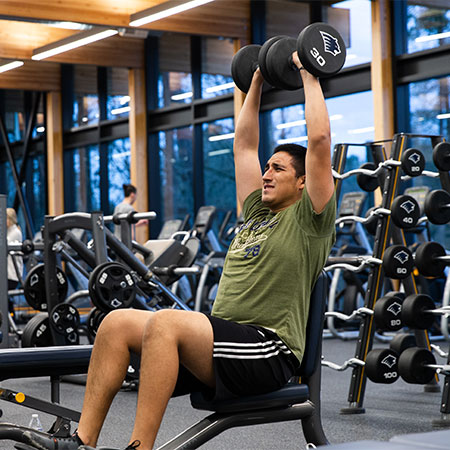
{"x": 391, "y": 410}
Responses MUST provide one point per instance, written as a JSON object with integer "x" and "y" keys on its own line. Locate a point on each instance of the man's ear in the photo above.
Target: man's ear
{"x": 301, "y": 182}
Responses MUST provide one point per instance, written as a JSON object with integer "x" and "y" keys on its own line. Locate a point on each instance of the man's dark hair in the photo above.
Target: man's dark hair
{"x": 128, "y": 189}
{"x": 297, "y": 153}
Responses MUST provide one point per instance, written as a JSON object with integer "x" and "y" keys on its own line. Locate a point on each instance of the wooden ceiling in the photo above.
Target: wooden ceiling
{"x": 29, "y": 24}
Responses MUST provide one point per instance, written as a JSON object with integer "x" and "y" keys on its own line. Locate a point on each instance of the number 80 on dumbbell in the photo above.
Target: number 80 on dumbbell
{"x": 320, "y": 48}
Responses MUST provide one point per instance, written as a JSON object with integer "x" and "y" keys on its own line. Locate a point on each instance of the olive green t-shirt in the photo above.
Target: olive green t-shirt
{"x": 272, "y": 265}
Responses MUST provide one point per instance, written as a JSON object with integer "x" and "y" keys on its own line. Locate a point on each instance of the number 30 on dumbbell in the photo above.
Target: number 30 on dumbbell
{"x": 320, "y": 48}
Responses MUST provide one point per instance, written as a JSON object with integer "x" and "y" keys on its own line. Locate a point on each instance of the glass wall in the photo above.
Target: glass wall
{"x": 119, "y": 152}
{"x": 35, "y": 185}
{"x": 85, "y": 106}
{"x": 117, "y": 100}
{"x": 353, "y": 19}
{"x": 175, "y": 80}
{"x": 218, "y": 164}
{"x": 13, "y": 105}
{"x": 217, "y": 54}
{"x": 82, "y": 179}
{"x": 176, "y": 167}
{"x": 427, "y": 25}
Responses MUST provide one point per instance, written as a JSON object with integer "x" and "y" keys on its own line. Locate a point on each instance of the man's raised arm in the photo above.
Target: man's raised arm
{"x": 246, "y": 141}
{"x": 319, "y": 178}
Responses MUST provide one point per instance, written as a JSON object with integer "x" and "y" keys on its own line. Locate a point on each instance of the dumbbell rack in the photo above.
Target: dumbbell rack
{"x": 389, "y": 180}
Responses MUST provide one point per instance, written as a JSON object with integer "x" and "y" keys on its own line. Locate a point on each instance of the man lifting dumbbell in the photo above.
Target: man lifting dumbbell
{"x": 260, "y": 313}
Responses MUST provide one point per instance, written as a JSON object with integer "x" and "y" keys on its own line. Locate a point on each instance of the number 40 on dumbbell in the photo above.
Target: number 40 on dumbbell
{"x": 320, "y": 48}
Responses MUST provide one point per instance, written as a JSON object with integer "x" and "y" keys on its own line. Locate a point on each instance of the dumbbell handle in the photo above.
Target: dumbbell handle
{"x": 444, "y": 311}
{"x": 352, "y": 362}
{"x": 440, "y": 368}
{"x": 426, "y": 173}
{"x": 363, "y": 220}
{"x": 364, "y": 262}
{"x": 363, "y": 311}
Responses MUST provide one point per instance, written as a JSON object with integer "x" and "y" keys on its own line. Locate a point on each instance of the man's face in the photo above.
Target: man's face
{"x": 281, "y": 187}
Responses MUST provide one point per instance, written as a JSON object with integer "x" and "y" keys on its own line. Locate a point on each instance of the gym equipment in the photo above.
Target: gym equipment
{"x": 431, "y": 259}
{"x": 397, "y": 262}
{"x": 34, "y": 287}
{"x": 441, "y": 156}
{"x": 405, "y": 211}
{"x": 36, "y": 332}
{"x": 387, "y": 313}
{"x": 380, "y": 365}
{"x": 111, "y": 286}
{"x": 66, "y": 320}
{"x": 262, "y": 54}
{"x": 400, "y": 342}
{"x": 320, "y": 48}
{"x": 419, "y": 311}
{"x": 413, "y": 162}
{"x": 437, "y": 207}
{"x": 418, "y": 366}
{"x": 94, "y": 320}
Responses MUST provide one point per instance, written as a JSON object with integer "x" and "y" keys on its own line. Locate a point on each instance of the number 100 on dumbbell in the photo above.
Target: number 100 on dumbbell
{"x": 320, "y": 48}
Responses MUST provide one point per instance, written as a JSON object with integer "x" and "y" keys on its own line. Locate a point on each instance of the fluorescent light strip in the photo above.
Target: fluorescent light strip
{"x": 221, "y": 137}
{"x": 224, "y": 151}
{"x": 433, "y": 37}
{"x": 163, "y": 10}
{"x": 220, "y": 87}
{"x": 64, "y": 47}
{"x": 361, "y": 130}
{"x": 40, "y": 129}
{"x": 292, "y": 140}
{"x": 122, "y": 110}
{"x": 443, "y": 116}
{"x": 124, "y": 99}
{"x": 182, "y": 96}
{"x": 297, "y": 123}
{"x": 10, "y": 66}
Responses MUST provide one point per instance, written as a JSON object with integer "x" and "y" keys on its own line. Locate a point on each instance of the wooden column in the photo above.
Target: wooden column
{"x": 381, "y": 73}
{"x": 55, "y": 168}
{"x": 138, "y": 140}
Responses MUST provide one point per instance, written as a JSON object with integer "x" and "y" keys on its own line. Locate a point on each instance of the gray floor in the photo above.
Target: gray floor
{"x": 390, "y": 410}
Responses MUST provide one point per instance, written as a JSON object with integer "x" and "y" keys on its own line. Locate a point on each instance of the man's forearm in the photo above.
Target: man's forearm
{"x": 247, "y": 126}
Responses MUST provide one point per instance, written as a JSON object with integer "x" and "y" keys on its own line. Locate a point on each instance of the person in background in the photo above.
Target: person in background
{"x": 126, "y": 206}
{"x": 13, "y": 236}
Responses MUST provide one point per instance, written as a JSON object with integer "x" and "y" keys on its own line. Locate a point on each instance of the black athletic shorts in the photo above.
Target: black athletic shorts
{"x": 248, "y": 360}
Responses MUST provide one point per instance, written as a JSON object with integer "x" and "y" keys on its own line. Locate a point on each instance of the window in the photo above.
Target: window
{"x": 176, "y": 167}
{"x": 119, "y": 152}
{"x": 118, "y": 100}
{"x": 427, "y": 25}
{"x": 218, "y": 164}
{"x": 175, "y": 80}
{"x": 217, "y": 54}
{"x": 352, "y": 18}
{"x": 36, "y": 185}
{"x": 82, "y": 179}
{"x": 85, "y": 107}
{"x": 14, "y": 115}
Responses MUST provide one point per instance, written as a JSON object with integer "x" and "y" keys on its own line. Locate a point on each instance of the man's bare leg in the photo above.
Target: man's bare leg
{"x": 119, "y": 333}
{"x": 171, "y": 337}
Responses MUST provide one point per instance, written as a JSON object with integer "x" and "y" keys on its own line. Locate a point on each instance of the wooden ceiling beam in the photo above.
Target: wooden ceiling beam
{"x": 33, "y": 76}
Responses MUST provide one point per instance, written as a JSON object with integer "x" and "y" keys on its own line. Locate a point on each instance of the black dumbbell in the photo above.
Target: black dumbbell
{"x": 401, "y": 341}
{"x": 405, "y": 211}
{"x": 413, "y": 162}
{"x": 398, "y": 262}
{"x": 437, "y": 207}
{"x": 320, "y": 48}
{"x": 431, "y": 259}
{"x": 419, "y": 311}
{"x": 387, "y": 312}
{"x": 418, "y": 366}
{"x": 441, "y": 156}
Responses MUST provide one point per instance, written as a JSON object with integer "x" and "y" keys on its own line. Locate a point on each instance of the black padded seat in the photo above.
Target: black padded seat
{"x": 286, "y": 396}
{"x": 45, "y": 361}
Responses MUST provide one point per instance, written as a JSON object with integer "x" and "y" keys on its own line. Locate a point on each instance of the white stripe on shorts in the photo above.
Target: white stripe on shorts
{"x": 255, "y": 350}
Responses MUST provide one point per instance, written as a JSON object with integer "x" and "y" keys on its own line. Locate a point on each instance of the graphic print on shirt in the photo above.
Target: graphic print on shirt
{"x": 250, "y": 237}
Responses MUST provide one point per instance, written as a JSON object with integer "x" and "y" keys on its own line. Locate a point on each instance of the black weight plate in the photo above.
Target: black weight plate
{"x": 398, "y": 262}
{"x": 262, "y": 57}
{"x": 282, "y": 71}
{"x": 387, "y": 313}
{"x": 112, "y": 286}
{"x": 426, "y": 259}
{"x": 36, "y": 332}
{"x": 321, "y": 50}
{"x": 382, "y": 366}
{"x": 65, "y": 319}
{"x": 400, "y": 342}
{"x": 405, "y": 211}
{"x": 94, "y": 320}
{"x": 413, "y": 162}
{"x": 441, "y": 156}
{"x": 366, "y": 182}
{"x": 34, "y": 287}
{"x": 243, "y": 65}
{"x": 371, "y": 224}
{"x": 437, "y": 207}
{"x": 413, "y": 311}
{"x": 411, "y": 365}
